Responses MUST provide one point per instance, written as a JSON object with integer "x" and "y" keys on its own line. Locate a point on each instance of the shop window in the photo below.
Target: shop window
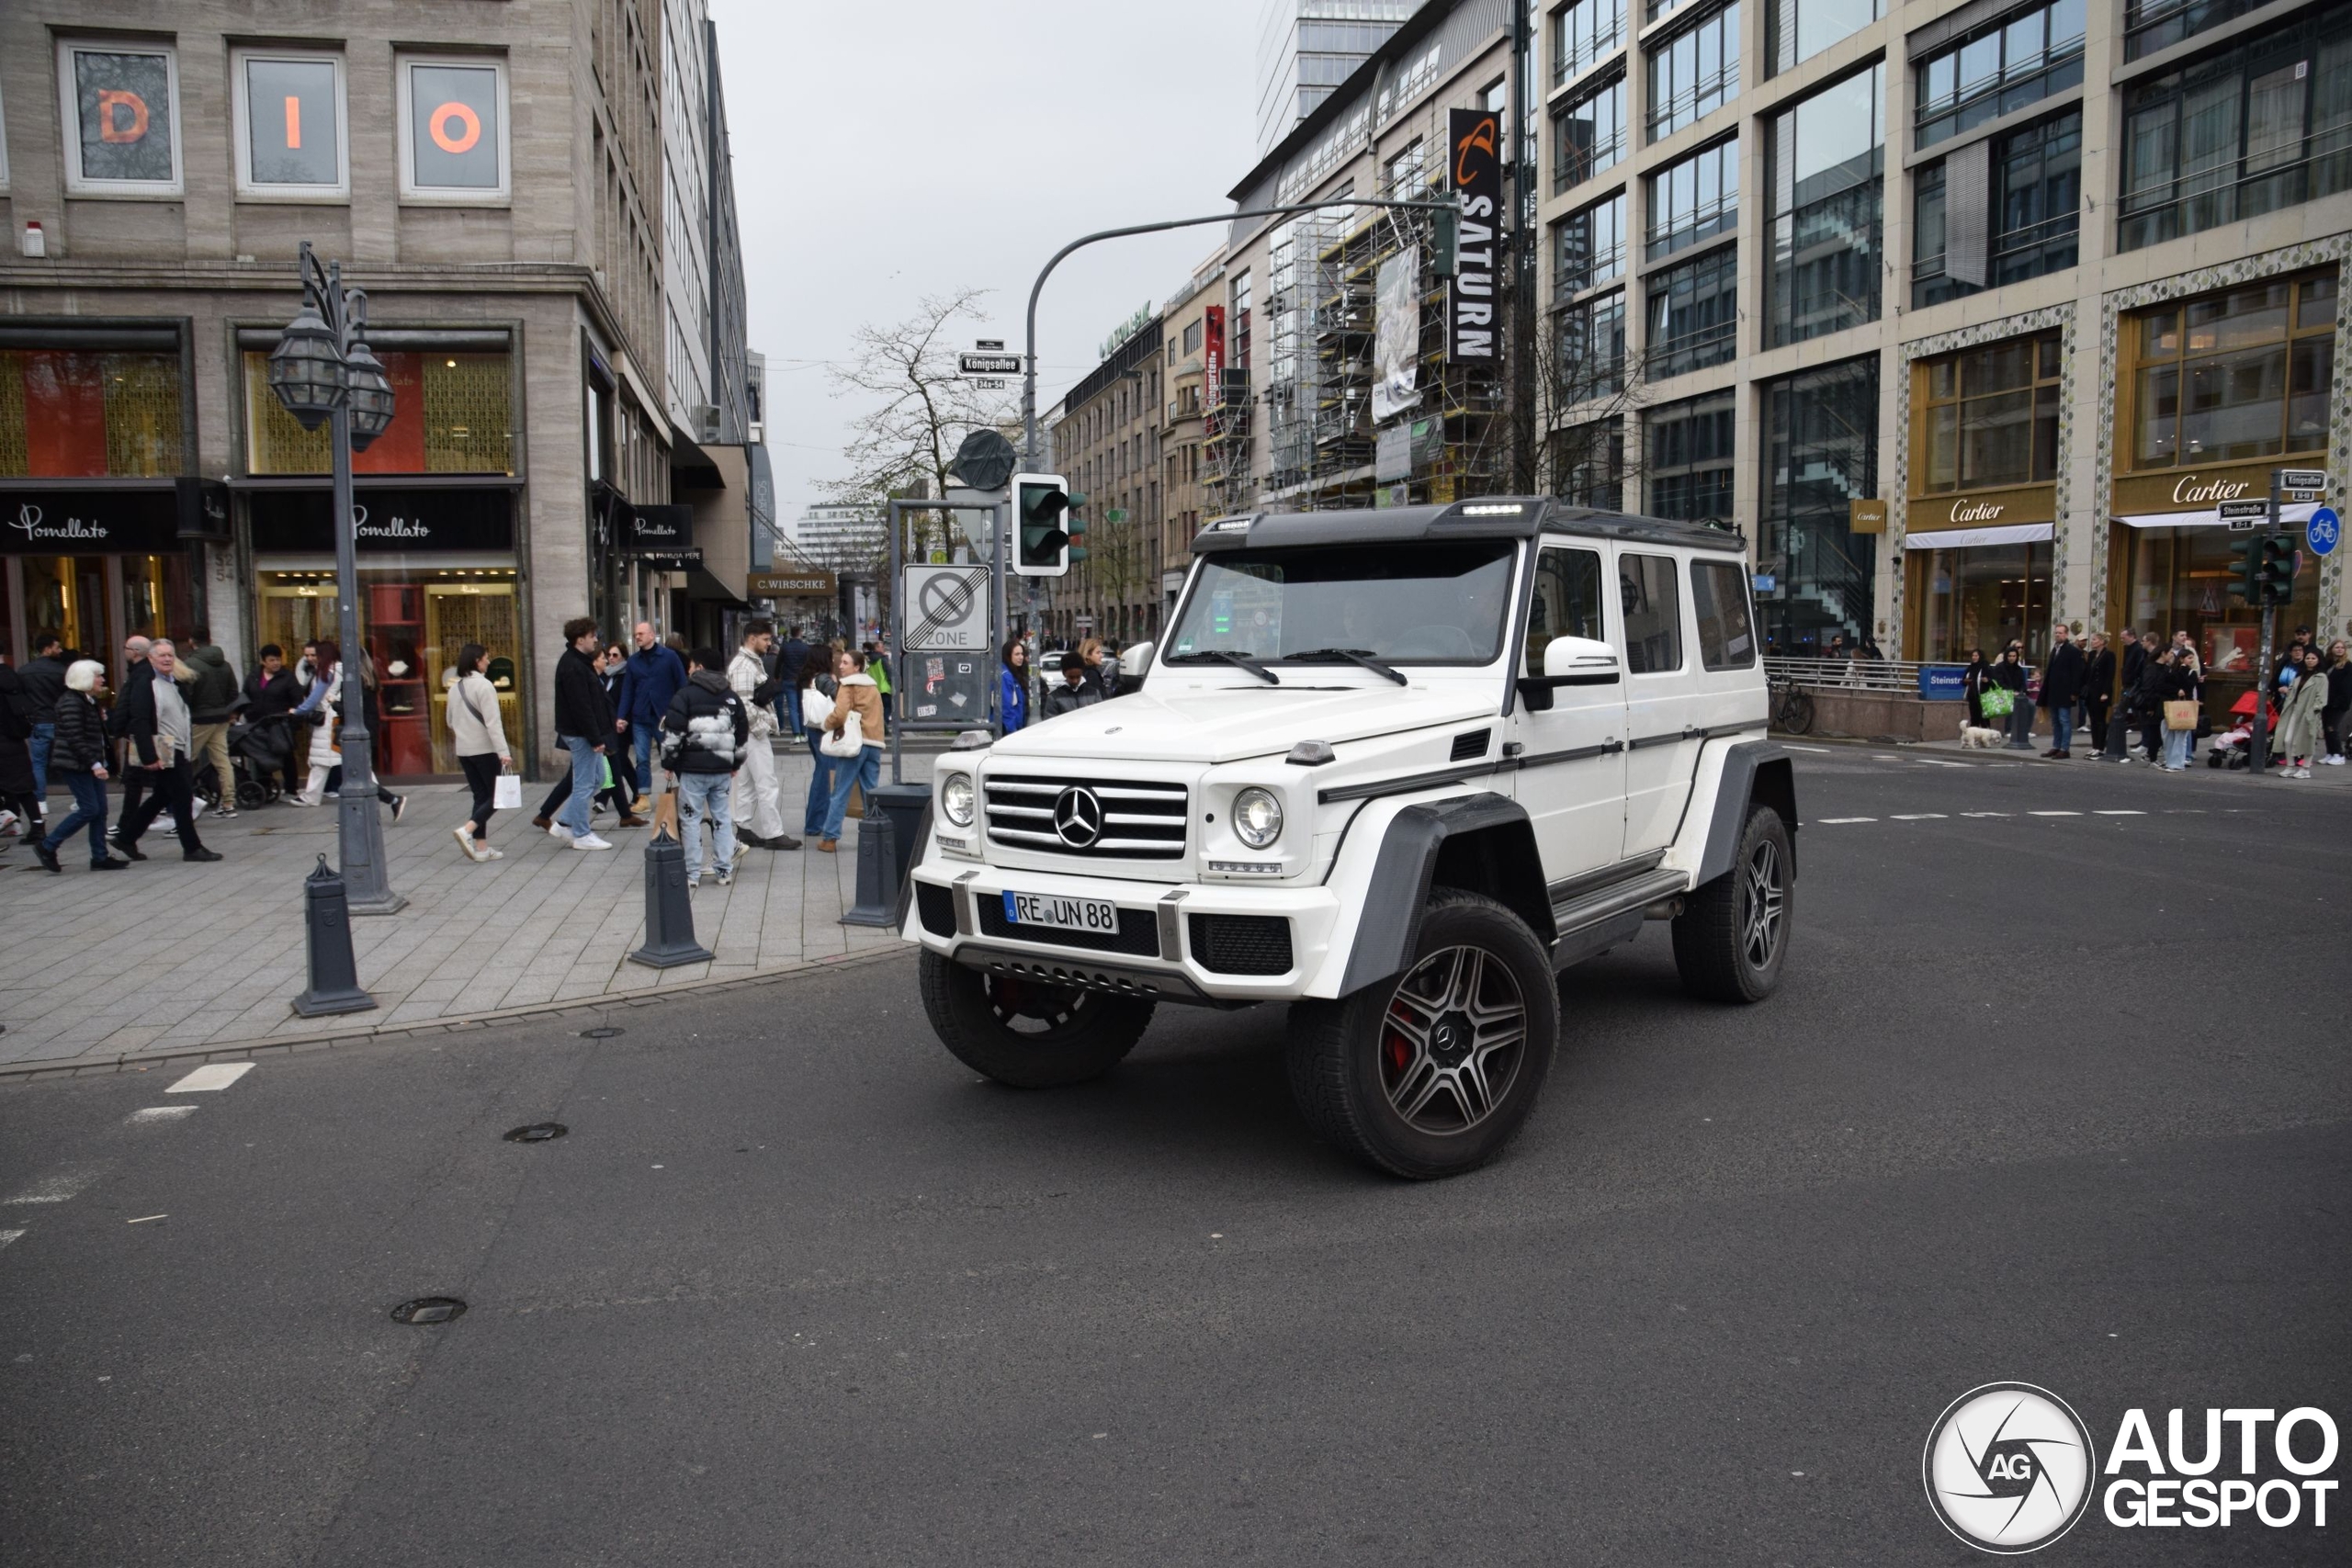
{"x": 1694, "y": 72}
{"x": 121, "y": 116}
{"x": 1589, "y": 135}
{"x": 1998, "y": 69}
{"x": 452, "y": 414}
{"x": 1691, "y": 457}
{"x": 2252, "y": 129}
{"x": 453, "y": 128}
{"x": 1984, "y": 596}
{"x": 1989, "y": 416}
{"x": 1726, "y": 625}
{"x": 69, "y": 413}
{"x": 1694, "y": 200}
{"x": 2024, "y": 217}
{"x": 1694, "y": 314}
{"x": 1796, "y": 30}
{"x": 1825, "y": 159}
{"x": 2241, "y": 374}
{"x": 289, "y": 124}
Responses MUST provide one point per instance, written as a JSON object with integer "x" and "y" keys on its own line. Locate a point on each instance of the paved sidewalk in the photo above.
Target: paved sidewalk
{"x": 171, "y": 957}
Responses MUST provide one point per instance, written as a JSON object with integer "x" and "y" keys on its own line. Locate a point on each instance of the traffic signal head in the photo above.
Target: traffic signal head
{"x": 2275, "y": 579}
{"x": 1041, "y": 524}
{"x": 1445, "y": 242}
{"x": 2245, "y": 572}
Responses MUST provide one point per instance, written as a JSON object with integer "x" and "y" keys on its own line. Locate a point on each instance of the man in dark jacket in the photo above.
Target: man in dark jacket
{"x": 2061, "y": 687}
{"x": 212, "y": 701}
{"x": 705, "y": 735}
{"x": 584, "y": 723}
{"x": 44, "y": 682}
{"x": 2099, "y": 685}
{"x": 788, "y": 664}
{"x": 153, "y": 718}
{"x": 80, "y": 757}
{"x": 271, "y": 692}
{"x": 1075, "y": 693}
{"x": 652, "y": 677}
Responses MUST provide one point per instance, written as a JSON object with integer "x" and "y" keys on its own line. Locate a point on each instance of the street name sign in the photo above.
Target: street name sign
{"x": 2243, "y": 516}
{"x": 989, "y": 364}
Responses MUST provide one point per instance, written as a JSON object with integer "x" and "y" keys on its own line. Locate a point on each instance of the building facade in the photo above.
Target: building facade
{"x": 1107, "y": 444}
{"x": 1306, "y": 48}
{"x": 1803, "y": 256}
{"x": 499, "y": 195}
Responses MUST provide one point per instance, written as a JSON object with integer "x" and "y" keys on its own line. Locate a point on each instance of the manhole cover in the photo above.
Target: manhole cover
{"x": 603, "y": 1031}
{"x": 429, "y": 1309}
{"x": 537, "y": 1133}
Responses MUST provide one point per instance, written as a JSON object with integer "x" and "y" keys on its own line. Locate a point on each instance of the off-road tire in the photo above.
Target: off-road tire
{"x": 1085, "y": 1032}
{"x": 1716, "y": 936}
{"x": 1335, "y": 1049}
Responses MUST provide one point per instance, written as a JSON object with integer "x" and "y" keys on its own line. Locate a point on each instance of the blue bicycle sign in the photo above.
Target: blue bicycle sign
{"x": 2323, "y": 531}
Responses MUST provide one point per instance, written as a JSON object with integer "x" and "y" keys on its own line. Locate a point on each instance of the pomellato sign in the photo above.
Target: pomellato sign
{"x": 300, "y": 521}
{"x": 98, "y": 522}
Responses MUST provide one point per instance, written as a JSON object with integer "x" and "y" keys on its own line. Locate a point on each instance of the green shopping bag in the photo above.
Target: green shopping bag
{"x": 1998, "y": 702}
{"x": 607, "y": 762}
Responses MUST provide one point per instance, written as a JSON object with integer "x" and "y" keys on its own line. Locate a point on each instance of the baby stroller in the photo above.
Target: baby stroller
{"x": 258, "y": 752}
{"x": 2234, "y": 748}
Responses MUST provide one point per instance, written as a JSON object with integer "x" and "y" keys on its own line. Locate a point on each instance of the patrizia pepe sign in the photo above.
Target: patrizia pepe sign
{"x": 68, "y": 521}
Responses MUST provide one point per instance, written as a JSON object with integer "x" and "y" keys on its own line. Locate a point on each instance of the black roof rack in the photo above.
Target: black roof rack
{"x": 1480, "y": 518}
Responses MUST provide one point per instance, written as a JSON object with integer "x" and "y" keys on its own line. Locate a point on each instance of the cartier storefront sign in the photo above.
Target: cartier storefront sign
{"x": 1983, "y": 509}
{"x": 2194, "y": 490}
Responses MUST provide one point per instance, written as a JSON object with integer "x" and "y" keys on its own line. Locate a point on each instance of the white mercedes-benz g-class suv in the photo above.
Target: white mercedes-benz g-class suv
{"x": 1395, "y": 768}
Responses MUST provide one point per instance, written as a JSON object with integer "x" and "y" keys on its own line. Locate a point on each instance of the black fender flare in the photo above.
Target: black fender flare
{"x": 1755, "y": 771}
{"x": 1482, "y": 841}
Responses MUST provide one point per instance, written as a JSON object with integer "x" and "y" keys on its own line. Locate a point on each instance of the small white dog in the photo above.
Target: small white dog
{"x": 1976, "y": 735}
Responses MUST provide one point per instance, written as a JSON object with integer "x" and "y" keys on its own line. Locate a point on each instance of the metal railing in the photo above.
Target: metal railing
{"x": 1853, "y": 674}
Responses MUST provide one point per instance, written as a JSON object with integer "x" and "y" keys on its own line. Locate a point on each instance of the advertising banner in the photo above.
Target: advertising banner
{"x": 1213, "y": 356}
{"x": 1474, "y": 174}
{"x": 1396, "y": 335}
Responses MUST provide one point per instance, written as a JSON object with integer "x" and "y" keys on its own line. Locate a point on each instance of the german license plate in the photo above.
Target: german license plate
{"x": 1066, "y": 914}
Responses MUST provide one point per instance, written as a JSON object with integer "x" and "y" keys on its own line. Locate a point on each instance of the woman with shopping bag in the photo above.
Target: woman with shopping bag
{"x": 477, "y": 734}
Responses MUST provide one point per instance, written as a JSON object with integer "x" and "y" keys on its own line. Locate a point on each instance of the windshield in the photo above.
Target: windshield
{"x": 1434, "y": 604}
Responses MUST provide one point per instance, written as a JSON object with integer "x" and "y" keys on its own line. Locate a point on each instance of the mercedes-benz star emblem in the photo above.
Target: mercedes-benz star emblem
{"x": 1078, "y": 818}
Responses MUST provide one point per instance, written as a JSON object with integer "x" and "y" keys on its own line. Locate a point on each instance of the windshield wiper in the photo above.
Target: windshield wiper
{"x": 1354, "y": 655}
{"x": 1239, "y": 660}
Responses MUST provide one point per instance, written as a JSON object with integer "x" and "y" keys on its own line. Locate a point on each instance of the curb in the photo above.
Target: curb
{"x": 82, "y": 1067}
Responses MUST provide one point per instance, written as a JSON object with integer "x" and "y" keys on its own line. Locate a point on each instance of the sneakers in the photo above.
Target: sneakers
{"x": 399, "y": 807}
{"x": 466, "y": 843}
{"x": 196, "y": 808}
{"x": 488, "y": 853}
{"x": 725, "y": 877}
{"x": 590, "y": 842}
{"x": 694, "y": 880}
{"x": 2303, "y": 773}
{"x": 560, "y": 833}
{"x": 296, "y": 800}
{"x": 2335, "y": 761}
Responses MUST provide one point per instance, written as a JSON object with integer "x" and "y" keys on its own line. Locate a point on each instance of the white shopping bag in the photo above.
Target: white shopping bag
{"x": 507, "y": 794}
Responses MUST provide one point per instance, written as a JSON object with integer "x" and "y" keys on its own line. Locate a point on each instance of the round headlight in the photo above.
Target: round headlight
{"x": 955, "y": 799}
{"x": 1257, "y": 818}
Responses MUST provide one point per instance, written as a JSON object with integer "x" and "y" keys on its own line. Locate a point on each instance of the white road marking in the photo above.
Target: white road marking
{"x": 160, "y": 1113}
{"x": 2055, "y": 814}
{"x": 2119, "y": 813}
{"x": 143, "y": 1219}
{"x": 1922, "y": 817}
{"x": 7, "y": 1236}
{"x": 62, "y": 1187}
{"x": 1931, "y": 762}
{"x": 1838, "y": 821}
{"x": 1983, "y": 814}
{"x": 212, "y": 1075}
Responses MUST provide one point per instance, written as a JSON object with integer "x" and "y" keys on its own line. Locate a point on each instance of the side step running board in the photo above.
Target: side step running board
{"x": 1610, "y": 915}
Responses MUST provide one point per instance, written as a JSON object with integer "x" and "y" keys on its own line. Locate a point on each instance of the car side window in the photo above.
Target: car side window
{"x": 1567, "y": 601}
{"x": 1727, "y": 626}
{"x": 1653, "y": 613}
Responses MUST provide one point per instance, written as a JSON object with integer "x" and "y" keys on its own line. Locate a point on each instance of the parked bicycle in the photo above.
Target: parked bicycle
{"x": 1791, "y": 710}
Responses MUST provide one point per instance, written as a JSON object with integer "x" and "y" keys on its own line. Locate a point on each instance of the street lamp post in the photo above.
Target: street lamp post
{"x": 324, "y": 374}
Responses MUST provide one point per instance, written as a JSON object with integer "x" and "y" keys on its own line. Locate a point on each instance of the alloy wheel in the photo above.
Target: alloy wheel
{"x": 1451, "y": 1039}
{"x": 1763, "y": 904}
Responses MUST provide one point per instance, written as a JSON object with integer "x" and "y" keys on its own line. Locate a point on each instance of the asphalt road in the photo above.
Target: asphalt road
{"x": 2055, "y": 1098}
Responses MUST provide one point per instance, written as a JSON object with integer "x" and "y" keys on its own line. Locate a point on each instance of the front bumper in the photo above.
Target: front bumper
{"x": 1174, "y": 971}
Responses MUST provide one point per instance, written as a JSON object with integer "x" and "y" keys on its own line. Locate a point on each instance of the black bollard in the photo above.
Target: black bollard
{"x": 335, "y": 973}
{"x": 669, "y": 911}
{"x": 877, "y": 858}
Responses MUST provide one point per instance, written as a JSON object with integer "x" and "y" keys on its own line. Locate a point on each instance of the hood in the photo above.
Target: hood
{"x": 710, "y": 681}
{"x": 205, "y": 658}
{"x": 860, "y": 679}
{"x": 1225, "y": 724}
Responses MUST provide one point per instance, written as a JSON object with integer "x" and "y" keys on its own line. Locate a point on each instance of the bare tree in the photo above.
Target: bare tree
{"x": 918, "y": 409}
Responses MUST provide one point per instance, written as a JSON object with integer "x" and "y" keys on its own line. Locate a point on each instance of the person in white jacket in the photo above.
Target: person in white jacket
{"x": 477, "y": 734}
{"x": 752, "y": 802}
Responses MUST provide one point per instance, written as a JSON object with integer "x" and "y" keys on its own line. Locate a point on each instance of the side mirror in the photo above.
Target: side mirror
{"x": 1135, "y": 659}
{"x": 1581, "y": 662}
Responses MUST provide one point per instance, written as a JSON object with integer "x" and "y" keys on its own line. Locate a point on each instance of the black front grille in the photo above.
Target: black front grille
{"x": 1139, "y": 820}
{"x": 1138, "y": 930}
{"x": 936, "y": 905}
{"x": 1470, "y": 745}
{"x": 1242, "y": 944}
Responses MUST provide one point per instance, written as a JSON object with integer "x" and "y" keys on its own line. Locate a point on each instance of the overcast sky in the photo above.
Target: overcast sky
{"x": 888, "y": 152}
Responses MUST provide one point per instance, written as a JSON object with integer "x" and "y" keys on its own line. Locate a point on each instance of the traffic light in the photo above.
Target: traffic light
{"x": 1041, "y": 525}
{"x": 2277, "y": 574}
{"x": 1076, "y": 526}
{"x": 1445, "y": 242}
{"x": 2246, "y": 572}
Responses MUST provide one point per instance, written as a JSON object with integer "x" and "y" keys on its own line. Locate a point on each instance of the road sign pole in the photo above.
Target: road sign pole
{"x": 2261, "y": 746}
{"x": 999, "y": 630}
{"x": 898, "y": 631}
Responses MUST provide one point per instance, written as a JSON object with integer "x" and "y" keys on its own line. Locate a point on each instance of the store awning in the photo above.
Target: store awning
{"x": 704, "y": 588}
{"x": 2288, "y": 512}
{"x": 1972, "y": 538}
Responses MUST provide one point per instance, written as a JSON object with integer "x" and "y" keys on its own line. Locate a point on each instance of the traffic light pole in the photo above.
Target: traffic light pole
{"x": 2261, "y": 746}
{"x": 1030, "y": 456}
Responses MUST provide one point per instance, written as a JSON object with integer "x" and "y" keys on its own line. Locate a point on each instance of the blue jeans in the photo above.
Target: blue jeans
{"x": 789, "y": 709}
{"x": 702, "y": 795}
{"x": 864, "y": 770}
{"x": 44, "y": 737}
{"x": 587, "y": 778}
{"x": 90, "y": 809}
{"x": 2062, "y": 727}
{"x": 641, "y": 739}
{"x": 821, "y": 788}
